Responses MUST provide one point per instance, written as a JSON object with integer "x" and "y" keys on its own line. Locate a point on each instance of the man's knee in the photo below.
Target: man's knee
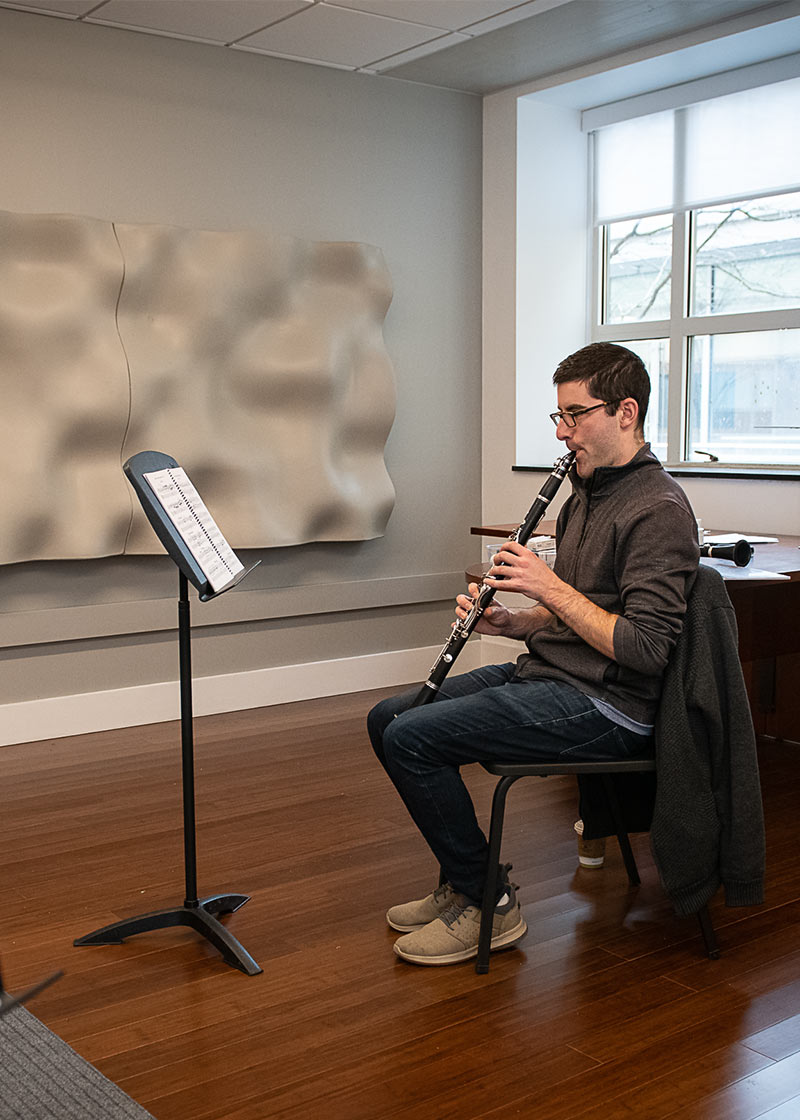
{"x": 408, "y": 747}
{"x": 385, "y": 712}
{"x": 379, "y": 720}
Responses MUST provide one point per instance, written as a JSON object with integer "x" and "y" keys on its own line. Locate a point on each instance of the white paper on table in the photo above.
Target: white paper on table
{"x": 541, "y": 544}
{"x": 196, "y": 527}
{"x": 732, "y": 538}
{"x": 728, "y": 570}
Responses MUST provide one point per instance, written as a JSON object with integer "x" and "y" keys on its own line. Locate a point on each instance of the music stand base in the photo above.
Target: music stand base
{"x": 201, "y": 916}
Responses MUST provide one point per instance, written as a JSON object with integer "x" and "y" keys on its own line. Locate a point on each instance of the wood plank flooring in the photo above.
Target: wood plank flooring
{"x": 607, "y": 1010}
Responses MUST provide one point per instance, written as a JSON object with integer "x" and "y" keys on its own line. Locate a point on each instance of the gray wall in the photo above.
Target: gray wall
{"x": 131, "y": 127}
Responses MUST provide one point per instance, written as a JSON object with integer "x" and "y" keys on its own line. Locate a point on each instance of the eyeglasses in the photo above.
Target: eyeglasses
{"x": 571, "y": 418}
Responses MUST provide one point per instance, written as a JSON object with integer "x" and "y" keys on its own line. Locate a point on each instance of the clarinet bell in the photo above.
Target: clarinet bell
{"x": 740, "y": 552}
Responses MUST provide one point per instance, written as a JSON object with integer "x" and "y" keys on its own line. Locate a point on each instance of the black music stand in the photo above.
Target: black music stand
{"x": 200, "y": 914}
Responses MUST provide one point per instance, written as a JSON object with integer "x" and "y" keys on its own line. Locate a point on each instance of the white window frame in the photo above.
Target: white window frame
{"x": 681, "y": 325}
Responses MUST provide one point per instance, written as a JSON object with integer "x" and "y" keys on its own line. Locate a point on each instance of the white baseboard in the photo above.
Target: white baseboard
{"x": 57, "y": 716}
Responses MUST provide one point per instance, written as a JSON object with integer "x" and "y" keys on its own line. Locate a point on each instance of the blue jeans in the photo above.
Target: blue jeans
{"x": 483, "y": 716}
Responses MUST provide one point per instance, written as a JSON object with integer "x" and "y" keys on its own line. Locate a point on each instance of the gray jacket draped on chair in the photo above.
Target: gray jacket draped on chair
{"x": 707, "y": 825}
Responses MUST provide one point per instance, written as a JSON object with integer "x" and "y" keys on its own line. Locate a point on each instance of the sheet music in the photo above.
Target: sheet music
{"x": 185, "y": 509}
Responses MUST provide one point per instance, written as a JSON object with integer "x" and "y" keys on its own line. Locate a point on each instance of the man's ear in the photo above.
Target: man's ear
{"x": 628, "y": 413}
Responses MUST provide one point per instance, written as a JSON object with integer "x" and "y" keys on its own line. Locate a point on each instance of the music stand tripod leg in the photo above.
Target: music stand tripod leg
{"x": 223, "y": 903}
{"x": 197, "y": 918}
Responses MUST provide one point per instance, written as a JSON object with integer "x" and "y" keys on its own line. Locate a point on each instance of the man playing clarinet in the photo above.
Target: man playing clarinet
{"x": 597, "y": 639}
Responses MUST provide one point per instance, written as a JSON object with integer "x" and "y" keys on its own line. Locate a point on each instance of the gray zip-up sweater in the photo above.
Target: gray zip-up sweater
{"x": 627, "y": 540}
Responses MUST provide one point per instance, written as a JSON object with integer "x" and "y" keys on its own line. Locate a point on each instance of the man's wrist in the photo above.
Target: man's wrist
{"x": 531, "y": 619}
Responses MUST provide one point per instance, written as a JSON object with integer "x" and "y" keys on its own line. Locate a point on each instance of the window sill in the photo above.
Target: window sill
{"x": 756, "y": 471}
{"x": 706, "y": 470}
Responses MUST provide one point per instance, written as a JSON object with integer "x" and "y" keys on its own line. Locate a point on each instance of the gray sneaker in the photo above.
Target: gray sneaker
{"x": 414, "y": 915}
{"x": 453, "y": 936}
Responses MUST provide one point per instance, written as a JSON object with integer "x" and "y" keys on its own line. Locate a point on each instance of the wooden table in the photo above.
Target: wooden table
{"x": 768, "y": 617}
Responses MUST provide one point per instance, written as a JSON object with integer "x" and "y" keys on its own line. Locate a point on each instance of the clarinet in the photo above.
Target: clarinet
{"x": 464, "y": 626}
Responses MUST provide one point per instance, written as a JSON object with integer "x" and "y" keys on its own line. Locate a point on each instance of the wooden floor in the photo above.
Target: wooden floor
{"x": 609, "y": 1008}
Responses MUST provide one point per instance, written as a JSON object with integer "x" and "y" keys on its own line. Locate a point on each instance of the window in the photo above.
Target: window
{"x": 697, "y": 269}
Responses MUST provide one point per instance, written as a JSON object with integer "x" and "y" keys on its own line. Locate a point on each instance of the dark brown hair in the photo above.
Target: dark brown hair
{"x": 611, "y": 373}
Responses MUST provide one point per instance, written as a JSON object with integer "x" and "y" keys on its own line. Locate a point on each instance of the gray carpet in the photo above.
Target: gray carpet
{"x": 41, "y": 1078}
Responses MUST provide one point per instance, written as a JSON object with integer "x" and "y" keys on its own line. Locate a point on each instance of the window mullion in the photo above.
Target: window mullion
{"x": 597, "y": 249}
{"x": 677, "y": 394}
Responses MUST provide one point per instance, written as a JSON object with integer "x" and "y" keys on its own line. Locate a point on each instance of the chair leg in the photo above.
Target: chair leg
{"x": 622, "y": 835}
{"x": 492, "y": 873}
{"x": 709, "y": 936}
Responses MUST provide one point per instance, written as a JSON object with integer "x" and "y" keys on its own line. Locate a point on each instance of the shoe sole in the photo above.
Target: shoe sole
{"x": 500, "y": 941}
{"x": 404, "y": 929}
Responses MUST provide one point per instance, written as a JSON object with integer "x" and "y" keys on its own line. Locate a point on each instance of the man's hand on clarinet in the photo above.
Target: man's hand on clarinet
{"x": 522, "y": 571}
{"x": 495, "y": 620}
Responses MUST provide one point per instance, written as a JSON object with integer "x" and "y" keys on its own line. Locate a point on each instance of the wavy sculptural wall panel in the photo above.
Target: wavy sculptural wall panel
{"x": 258, "y": 362}
{"x": 64, "y": 390}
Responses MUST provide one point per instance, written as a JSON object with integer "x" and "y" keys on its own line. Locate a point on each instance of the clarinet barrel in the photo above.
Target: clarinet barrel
{"x": 464, "y": 627}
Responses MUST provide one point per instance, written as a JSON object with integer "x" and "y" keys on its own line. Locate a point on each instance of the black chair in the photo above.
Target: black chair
{"x": 508, "y": 773}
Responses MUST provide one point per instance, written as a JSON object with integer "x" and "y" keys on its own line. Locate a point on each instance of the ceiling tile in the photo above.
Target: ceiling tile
{"x": 70, "y": 9}
{"x": 208, "y": 20}
{"x": 449, "y": 40}
{"x": 513, "y": 14}
{"x": 449, "y": 15}
{"x": 403, "y": 38}
{"x": 341, "y": 36}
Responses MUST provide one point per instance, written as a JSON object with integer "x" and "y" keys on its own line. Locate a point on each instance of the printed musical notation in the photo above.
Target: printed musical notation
{"x": 201, "y": 534}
